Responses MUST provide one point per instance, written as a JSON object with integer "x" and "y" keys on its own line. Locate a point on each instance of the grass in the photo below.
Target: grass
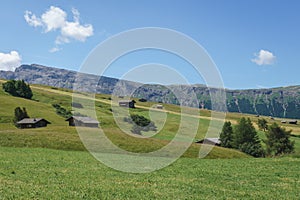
{"x": 58, "y": 135}
{"x": 27, "y": 173}
{"x": 56, "y": 165}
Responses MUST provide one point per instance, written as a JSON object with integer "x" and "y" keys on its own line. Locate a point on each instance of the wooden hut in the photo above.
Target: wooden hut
{"x": 210, "y": 141}
{"x": 293, "y": 122}
{"x": 159, "y": 106}
{"x": 127, "y": 103}
{"x": 83, "y": 121}
{"x": 32, "y": 123}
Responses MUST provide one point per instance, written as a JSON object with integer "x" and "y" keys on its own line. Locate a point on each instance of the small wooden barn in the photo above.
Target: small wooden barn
{"x": 159, "y": 106}
{"x": 127, "y": 103}
{"x": 83, "y": 121}
{"x": 210, "y": 141}
{"x": 293, "y": 122}
{"x": 32, "y": 123}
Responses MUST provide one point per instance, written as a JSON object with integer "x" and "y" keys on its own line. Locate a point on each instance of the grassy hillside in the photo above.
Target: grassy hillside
{"x": 27, "y": 173}
{"x": 45, "y": 170}
{"x": 58, "y": 135}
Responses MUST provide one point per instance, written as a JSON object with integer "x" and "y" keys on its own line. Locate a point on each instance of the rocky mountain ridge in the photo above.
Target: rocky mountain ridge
{"x": 277, "y": 102}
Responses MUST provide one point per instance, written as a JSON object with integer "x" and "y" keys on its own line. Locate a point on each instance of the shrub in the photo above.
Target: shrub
{"x": 62, "y": 111}
{"x": 142, "y": 100}
{"x": 140, "y": 123}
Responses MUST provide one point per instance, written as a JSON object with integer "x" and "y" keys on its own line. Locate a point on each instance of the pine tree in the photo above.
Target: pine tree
{"x": 20, "y": 114}
{"x": 278, "y": 141}
{"x": 226, "y": 136}
{"x": 9, "y": 87}
{"x": 246, "y": 138}
{"x": 262, "y": 124}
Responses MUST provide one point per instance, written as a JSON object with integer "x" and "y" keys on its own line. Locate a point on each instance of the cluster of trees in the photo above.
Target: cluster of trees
{"x": 62, "y": 111}
{"x": 244, "y": 138}
{"x": 20, "y": 113}
{"x": 140, "y": 123}
{"x": 18, "y": 88}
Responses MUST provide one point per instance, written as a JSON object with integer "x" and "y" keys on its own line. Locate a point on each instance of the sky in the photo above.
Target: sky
{"x": 253, "y": 43}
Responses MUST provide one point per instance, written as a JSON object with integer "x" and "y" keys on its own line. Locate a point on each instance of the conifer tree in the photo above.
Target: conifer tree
{"x": 246, "y": 138}
{"x": 278, "y": 141}
{"x": 20, "y": 114}
{"x": 226, "y": 136}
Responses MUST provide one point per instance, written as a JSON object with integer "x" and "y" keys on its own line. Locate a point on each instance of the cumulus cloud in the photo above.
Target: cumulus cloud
{"x": 10, "y": 61}
{"x": 76, "y": 31}
{"x": 56, "y": 19}
{"x": 264, "y": 57}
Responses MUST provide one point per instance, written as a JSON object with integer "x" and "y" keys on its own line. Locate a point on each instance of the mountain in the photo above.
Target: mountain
{"x": 281, "y": 102}
{"x": 277, "y": 102}
{"x": 61, "y": 78}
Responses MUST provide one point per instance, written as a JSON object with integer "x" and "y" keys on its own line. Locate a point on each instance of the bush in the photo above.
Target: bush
{"x": 142, "y": 100}
{"x": 253, "y": 149}
{"x": 136, "y": 130}
{"x": 141, "y": 123}
{"x": 140, "y": 120}
{"x": 62, "y": 111}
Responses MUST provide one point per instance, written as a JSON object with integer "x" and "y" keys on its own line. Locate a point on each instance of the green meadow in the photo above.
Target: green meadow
{"x": 39, "y": 173}
{"x": 53, "y": 163}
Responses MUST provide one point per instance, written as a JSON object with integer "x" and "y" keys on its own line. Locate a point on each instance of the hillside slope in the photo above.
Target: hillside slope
{"x": 58, "y": 135}
{"x": 283, "y": 102}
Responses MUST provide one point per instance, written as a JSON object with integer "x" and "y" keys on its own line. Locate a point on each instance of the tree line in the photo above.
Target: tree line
{"x": 244, "y": 138}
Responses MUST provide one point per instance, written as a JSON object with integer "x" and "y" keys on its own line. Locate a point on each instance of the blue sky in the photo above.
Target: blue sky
{"x": 254, "y": 44}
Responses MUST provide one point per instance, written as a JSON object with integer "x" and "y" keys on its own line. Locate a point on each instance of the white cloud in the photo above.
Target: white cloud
{"x": 54, "y": 49}
{"x": 10, "y": 61}
{"x": 76, "y": 31}
{"x": 31, "y": 19}
{"x": 61, "y": 40}
{"x": 264, "y": 57}
{"x": 76, "y": 14}
{"x": 56, "y": 19}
